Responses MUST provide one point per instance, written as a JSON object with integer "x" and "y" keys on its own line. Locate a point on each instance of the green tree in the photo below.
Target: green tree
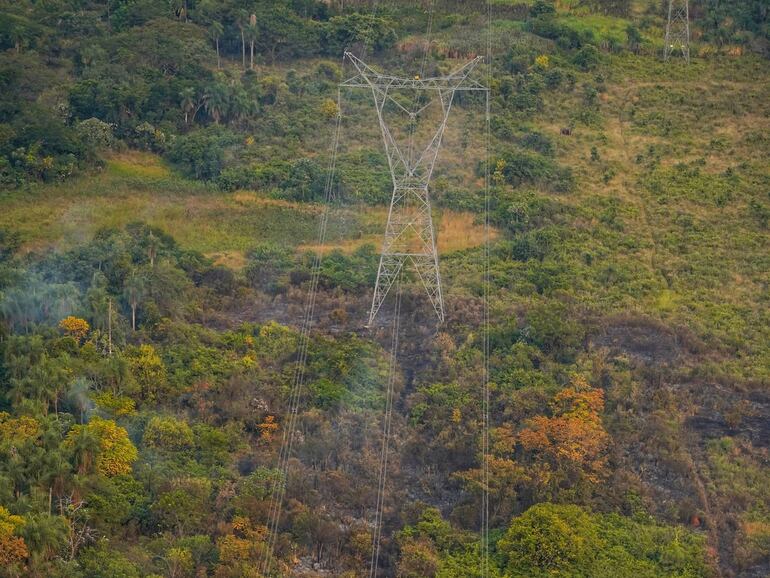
{"x": 551, "y": 541}
{"x": 168, "y": 433}
{"x": 103, "y": 561}
{"x": 184, "y": 508}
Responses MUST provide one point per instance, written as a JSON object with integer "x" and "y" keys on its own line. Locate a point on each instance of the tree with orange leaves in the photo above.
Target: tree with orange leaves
{"x": 569, "y": 447}
{"x": 268, "y": 428}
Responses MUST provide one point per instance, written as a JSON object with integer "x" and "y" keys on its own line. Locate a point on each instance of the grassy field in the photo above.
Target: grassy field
{"x": 139, "y": 187}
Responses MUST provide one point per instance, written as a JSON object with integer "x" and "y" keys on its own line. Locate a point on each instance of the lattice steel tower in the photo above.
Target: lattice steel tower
{"x": 409, "y": 235}
{"x": 678, "y": 29}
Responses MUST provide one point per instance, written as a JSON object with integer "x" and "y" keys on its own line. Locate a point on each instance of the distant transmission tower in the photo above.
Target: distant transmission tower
{"x": 678, "y": 29}
{"x": 409, "y": 234}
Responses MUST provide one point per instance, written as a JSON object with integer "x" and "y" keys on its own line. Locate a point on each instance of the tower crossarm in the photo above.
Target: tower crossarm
{"x": 458, "y": 79}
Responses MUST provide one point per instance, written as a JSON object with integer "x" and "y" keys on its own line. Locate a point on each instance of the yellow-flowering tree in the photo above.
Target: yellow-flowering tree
{"x": 102, "y": 444}
{"x": 75, "y": 327}
{"x": 13, "y": 549}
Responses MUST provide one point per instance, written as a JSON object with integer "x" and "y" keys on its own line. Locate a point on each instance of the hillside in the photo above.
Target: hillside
{"x": 162, "y": 180}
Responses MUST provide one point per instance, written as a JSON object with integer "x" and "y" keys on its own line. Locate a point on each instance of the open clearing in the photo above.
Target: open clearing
{"x": 139, "y": 187}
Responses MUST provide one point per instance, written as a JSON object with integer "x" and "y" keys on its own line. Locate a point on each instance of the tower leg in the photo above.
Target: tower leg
{"x": 427, "y": 270}
{"x": 387, "y": 273}
{"x": 409, "y": 240}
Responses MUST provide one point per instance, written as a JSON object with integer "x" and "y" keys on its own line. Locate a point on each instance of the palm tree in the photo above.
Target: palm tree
{"x": 187, "y": 102}
{"x": 45, "y": 535}
{"x": 153, "y": 244}
{"x": 180, "y": 8}
{"x": 134, "y": 292}
{"x": 17, "y": 471}
{"x": 242, "y": 105}
{"x": 46, "y": 382}
{"x": 85, "y": 448}
{"x": 56, "y": 472}
{"x": 253, "y": 33}
{"x": 65, "y": 298}
{"x": 19, "y": 390}
{"x": 242, "y": 17}
{"x": 19, "y": 36}
{"x": 217, "y": 100}
{"x": 215, "y": 31}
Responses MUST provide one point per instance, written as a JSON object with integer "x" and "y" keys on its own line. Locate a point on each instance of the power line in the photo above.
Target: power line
{"x": 290, "y": 423}
{"x": 386, "y": 428}
{"x": 487, "y": 290}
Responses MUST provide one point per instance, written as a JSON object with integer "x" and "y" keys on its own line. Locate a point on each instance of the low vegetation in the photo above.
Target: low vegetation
{"x": 162, "y": 169}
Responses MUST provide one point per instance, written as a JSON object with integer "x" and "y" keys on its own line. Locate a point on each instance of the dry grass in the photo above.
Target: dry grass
{"x": 456, "y": 231}
{"x": 137, "y": 164}
{"x": 224, "y": 226}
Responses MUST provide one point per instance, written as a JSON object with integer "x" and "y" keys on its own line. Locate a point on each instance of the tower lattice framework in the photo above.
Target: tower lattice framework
{"x": 410, "y": 238}
{"x": 677, "y": 30}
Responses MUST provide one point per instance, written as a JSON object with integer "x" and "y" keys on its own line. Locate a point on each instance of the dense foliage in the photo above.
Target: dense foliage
{"x": 162, "y": 168}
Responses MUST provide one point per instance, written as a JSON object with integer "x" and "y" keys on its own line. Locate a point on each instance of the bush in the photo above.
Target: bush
{"x": 96, "y": 134}
{"x": 550, "y": 540}
{"x": 350, "y": 271}
{"x": 201, "y": 154}
{"x": 348, "y": 29}
{"x": 551, "y": 328}
{"x": 587, "y": 58}
{"x": 537, "y": 142}
{"x": 566, "y": 540}
{"x": 306, "y": 181}
{"x": 542, "y": 7}
{"x": 267, "y": 263}
{"x": 521, "y": 167}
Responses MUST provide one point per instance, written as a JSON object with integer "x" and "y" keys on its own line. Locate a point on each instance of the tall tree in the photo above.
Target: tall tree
{"x": 252, "y": 32}
{"x": 134, "y": 291}
{"x": 215, "y": 31}
{"x": 242, "y": 20}
{"x": 217, "y": 101}
{"x": 187, "y": 102}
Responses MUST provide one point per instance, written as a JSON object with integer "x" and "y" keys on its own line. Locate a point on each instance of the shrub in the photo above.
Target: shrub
{"x": 350, "y": 271}
{"x": 587, "y": 58}
{"x": 528, "y": 168}
{"x": 201, "y": 154}
{"x": 550, "y": 540}
{"x": 267, "y": 263}
{"x": 96, "y": 134}
{"x": 306, "y": 181}
{"x": 551, "y": 328}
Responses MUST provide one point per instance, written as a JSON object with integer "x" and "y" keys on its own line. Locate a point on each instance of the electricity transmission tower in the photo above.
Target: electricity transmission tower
{"x": 678, "y": 29}
{"x": 409, "y": 235}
